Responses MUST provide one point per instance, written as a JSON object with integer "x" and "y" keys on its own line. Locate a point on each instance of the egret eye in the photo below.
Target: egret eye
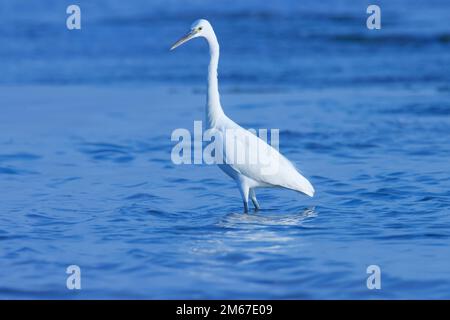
{"x": 200, "y": 28}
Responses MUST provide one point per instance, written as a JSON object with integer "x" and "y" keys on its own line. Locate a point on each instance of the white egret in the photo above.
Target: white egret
{"x": 247, "y": 175}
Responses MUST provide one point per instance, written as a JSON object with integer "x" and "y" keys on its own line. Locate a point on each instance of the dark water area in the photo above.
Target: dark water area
{"x": 86, "y": 176}
{"x": 280, "y": 43}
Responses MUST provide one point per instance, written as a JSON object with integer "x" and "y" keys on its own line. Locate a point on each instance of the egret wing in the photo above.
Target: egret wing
{"x": 252, "y": 157}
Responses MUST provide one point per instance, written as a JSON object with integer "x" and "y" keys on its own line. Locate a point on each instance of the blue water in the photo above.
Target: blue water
{"x": 86, "y": 176}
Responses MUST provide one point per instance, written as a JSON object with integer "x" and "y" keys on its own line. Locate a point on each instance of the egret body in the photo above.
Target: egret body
{"x": 248, "y": 175}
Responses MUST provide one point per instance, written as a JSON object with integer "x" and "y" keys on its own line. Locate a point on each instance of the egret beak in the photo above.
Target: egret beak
{"x": 184, "y": 39}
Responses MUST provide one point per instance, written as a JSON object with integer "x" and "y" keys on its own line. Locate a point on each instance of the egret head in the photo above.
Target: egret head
{"x": 200, "y": 28}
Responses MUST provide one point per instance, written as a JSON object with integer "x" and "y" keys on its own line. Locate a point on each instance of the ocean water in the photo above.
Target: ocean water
{"x": 86, "y": 176}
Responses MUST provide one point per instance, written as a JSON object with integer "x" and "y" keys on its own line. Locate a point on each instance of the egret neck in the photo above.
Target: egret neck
{"x": 213, "y": 108}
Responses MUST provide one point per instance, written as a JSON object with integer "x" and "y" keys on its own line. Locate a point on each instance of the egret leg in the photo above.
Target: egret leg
{"x": 253, "y": 197}
{"x": 244, "y": 193}
{"x": 245, "y": 207}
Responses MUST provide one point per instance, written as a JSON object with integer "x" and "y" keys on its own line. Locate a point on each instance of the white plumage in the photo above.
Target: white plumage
{"x": 262, "y": 165}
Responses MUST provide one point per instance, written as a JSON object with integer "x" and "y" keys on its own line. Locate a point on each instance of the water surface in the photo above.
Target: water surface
{"x": 86, "y": 176}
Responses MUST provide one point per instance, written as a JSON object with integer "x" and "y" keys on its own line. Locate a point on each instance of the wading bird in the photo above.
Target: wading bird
{"x": 248, "y": 175}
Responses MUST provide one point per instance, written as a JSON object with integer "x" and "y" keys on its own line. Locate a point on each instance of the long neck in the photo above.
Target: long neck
{"x": 213, "y": 109}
